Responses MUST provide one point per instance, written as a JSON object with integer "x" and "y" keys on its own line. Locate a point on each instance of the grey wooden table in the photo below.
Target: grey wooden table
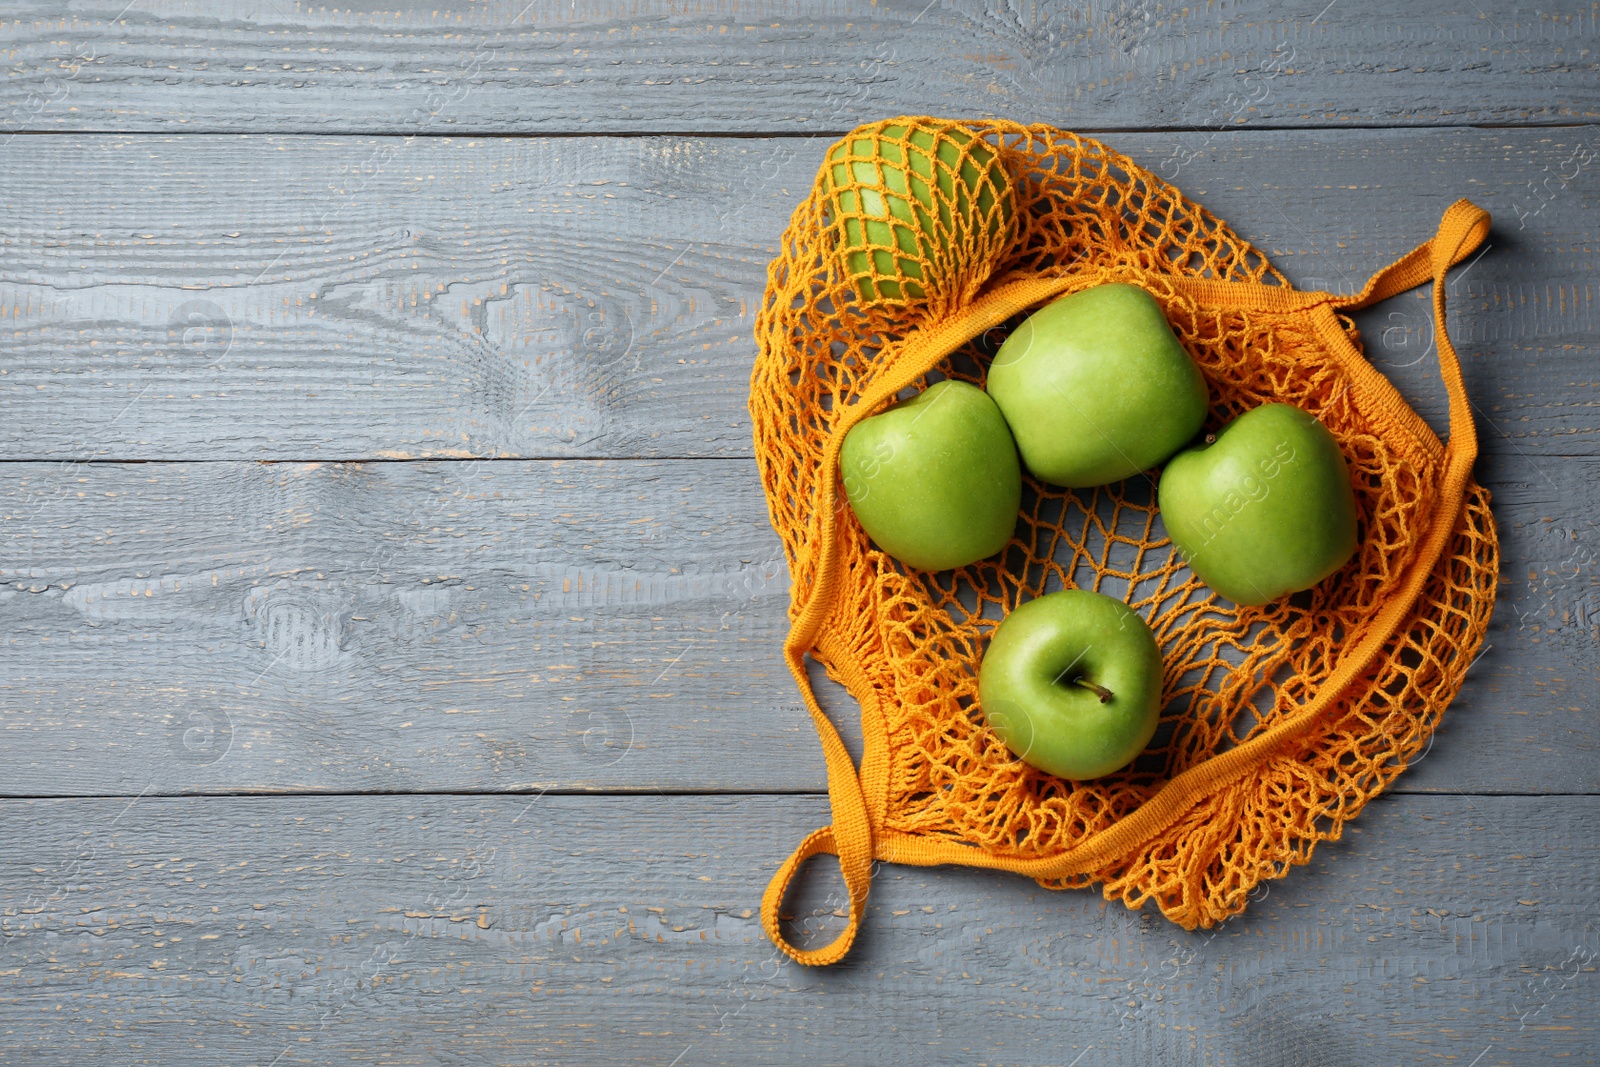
{"x": 391, "y": 623}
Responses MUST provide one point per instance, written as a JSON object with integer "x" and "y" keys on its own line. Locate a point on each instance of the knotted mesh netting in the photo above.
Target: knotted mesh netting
{"x": 1280, "y": 722}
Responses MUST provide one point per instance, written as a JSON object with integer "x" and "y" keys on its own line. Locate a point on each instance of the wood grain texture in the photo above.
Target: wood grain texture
{"x": 466, "y": 626}
{"x": 601, "y": 606}
{"x": 329, "y": 298}
{"x": 397, "y": 626}
{"x": 776, "y": 66}
{"x": 513, "y": 930}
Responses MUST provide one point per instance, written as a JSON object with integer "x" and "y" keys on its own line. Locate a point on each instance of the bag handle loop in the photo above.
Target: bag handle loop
{"x": 1461, "y": 230}
{"x": 850, "y": 837}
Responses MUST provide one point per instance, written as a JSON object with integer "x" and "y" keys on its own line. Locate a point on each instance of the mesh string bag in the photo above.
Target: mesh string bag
{"x": 1279, "y": 722}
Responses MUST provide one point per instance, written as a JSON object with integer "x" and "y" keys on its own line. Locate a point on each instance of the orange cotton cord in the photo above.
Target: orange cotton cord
{"x": 1353, "y": 682}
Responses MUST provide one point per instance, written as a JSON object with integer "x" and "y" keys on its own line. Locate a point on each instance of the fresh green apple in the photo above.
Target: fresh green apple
{"x": 880, "y": 182}
{"x": 1096, "y": 387}
{"x": 1072, "y": 684}
{"x": 935, "y": 480}
{"x": 1264, "y": 508}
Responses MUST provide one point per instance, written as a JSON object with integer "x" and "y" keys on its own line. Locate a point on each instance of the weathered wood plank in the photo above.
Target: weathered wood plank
{"x": 1541, "y": 664}
{"x": 474, "y": 931}
{"x": 449, "y": 626}
{"x": 385, "y": 626}
{"x": 583, "y": 298}
{"x": 605, "y": 66}
{"x": 315, "y": 298}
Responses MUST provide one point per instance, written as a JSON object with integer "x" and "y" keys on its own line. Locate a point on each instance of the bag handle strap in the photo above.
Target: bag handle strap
{"x": 850, "y": 837}
{"x": 1461, "y": 230}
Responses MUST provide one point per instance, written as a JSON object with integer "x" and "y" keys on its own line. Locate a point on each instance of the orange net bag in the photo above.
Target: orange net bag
{"x": 1279, "y": 722}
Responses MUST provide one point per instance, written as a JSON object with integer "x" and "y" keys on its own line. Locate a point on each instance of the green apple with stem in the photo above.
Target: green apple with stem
{"x": 1263, "y": 508}
{"x": 1071, "y": 683}
{"x": 935, "y": 480}
{"x": 1097, "y": 388}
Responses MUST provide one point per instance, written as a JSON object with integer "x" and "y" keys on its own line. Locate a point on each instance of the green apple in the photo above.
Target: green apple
{"x": 1072, "y": 684}
{"x": 1096, "y": 387}
{"x": 1264, "y": 508}
{"x": 935, "y": 480}
{"x": 880, "y": 182}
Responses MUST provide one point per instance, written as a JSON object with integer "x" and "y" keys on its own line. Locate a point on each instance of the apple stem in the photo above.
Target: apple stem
{"x": 1099, "y": 690}
{"x": 1211, "y": 438}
